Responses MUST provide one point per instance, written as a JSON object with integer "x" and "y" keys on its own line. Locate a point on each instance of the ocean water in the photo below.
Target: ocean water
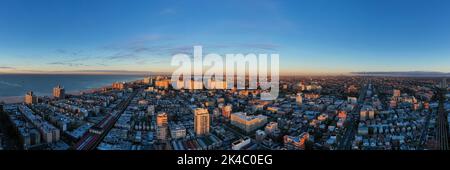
{"x": 42, "y": 85}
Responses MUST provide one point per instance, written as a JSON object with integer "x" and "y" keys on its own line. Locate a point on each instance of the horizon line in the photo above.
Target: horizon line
{"x": 150, "y": 73}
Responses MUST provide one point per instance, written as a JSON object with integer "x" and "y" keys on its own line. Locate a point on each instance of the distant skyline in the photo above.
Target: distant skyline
{"x": 311, "y": 36}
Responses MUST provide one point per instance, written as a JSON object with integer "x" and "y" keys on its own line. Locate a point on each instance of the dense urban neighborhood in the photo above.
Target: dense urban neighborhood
{"x": 310, "y": 113}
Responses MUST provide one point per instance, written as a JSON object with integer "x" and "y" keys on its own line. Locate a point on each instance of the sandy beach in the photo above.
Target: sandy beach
{"x": 19, "y": 99}
{"x": 12, "y": 99}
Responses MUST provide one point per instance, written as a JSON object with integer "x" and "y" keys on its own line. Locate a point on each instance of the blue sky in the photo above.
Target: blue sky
{"x": 311, "y": 36}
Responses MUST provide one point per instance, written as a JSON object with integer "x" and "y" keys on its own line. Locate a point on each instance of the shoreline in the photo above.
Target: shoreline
{"x": 20, "y": 99}
{"x": 12, "y": 99}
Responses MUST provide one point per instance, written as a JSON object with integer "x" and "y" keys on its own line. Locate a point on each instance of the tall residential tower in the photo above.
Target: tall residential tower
{"x": 201, "y": 121}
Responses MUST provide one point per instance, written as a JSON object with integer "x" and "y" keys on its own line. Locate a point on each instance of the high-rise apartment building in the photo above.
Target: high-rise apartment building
{"x": 161, "y": 126}
{"x": 148, "y": 80}
{"x": 201, "y": 121}
{"x": 59, "y": 92}
{"x": 226, "y": 111}
{"x": 299, "y": 99}
{"x": 30, "y": 98}
{"x": 396, "y": 93}
{"x": 161, "y": 119}
{"x": 119, "y": 85}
